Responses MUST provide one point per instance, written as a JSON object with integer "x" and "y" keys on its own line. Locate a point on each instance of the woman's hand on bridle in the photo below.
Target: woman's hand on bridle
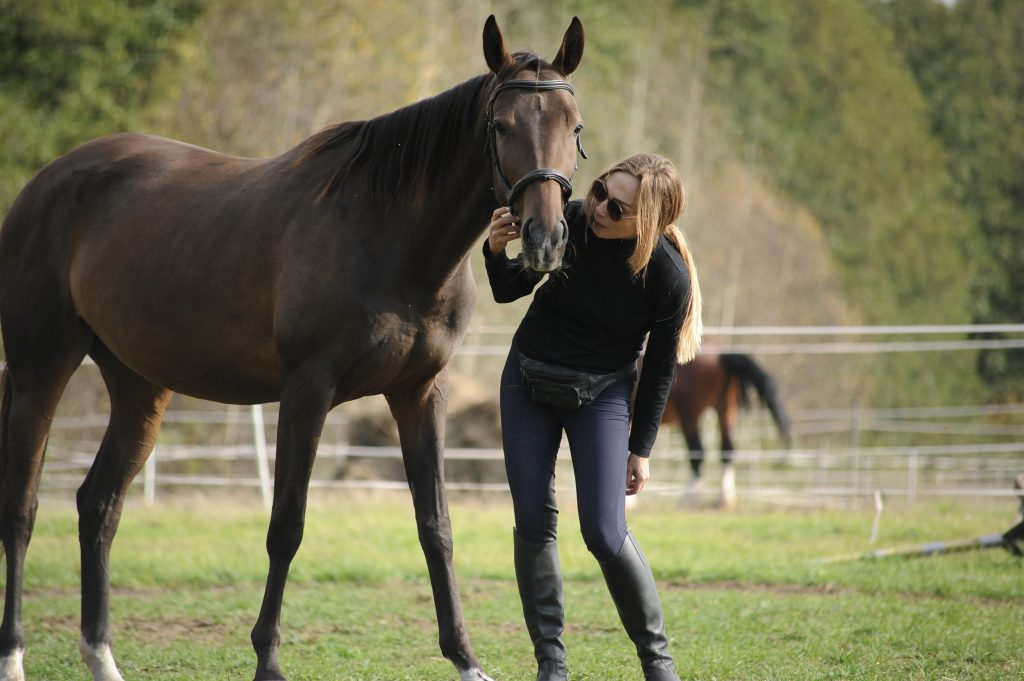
{"x": 637, "y": 472}
{"x": 503, "y": 229}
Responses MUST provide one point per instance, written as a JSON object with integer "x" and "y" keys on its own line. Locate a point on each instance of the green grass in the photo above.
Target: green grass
{"x": 743, "y": 595}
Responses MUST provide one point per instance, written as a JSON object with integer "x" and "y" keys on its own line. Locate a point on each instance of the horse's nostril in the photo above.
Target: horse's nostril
{"x": 525, "y": 231}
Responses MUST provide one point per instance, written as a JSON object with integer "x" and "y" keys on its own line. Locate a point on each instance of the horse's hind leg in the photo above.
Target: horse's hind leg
{"x": 37, "y": 372}
{"x": 693, "y": 494}
{"x": 728, "y": 412}
{"x": 420, "y": 417}
{"x": 691, "y": 432}
{"x": 136, "y": 412}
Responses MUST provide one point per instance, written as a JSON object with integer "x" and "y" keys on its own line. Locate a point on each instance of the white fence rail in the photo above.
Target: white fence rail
{"x": 981, "y": 468}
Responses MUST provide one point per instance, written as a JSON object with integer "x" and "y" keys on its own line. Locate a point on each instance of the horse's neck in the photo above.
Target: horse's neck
{"x": 445, "y": 224}
{"x": 429, "y": 230}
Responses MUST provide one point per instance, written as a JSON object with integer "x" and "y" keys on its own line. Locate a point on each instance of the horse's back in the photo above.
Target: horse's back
{"x": 143, "y": 238}
{"x": 110, "y": 201}
{"x": 35, "y": 232}
{"x": 36, "y": 235}
{"x": 74, "y": 189}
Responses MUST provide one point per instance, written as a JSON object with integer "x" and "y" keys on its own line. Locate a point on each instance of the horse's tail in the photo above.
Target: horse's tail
{"x": 747, "y": 371}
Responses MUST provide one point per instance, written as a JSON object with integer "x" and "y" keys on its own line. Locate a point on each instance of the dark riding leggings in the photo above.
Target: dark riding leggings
{"x": 598, "y": 437}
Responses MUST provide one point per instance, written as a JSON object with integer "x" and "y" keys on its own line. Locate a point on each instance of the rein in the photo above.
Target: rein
{"x": 512, "y": 191}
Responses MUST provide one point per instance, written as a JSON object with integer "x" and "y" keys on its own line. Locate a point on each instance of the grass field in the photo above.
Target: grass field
{"x": 744, "y": 598}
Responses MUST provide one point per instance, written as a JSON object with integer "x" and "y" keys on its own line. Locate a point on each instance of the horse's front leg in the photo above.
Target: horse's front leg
{"x": 420, "y": 414}
{"x": 305, "y": 400}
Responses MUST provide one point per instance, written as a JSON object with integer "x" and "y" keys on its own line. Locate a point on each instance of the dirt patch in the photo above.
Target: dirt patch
{"x": 196, "y": 630}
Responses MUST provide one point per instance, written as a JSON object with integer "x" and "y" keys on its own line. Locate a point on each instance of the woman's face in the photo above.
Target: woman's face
{"x": 616, "y": 199}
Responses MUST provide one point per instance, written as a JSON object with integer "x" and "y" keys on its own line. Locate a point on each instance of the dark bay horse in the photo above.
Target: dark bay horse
{"x": 722, "y": 381}
{"x": 336, "y": 270}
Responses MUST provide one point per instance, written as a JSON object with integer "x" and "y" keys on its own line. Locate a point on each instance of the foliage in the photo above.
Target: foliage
{"x": 822, "y": 106}
{"x": 71, "y": 71}
{"x": 969, "y": 63}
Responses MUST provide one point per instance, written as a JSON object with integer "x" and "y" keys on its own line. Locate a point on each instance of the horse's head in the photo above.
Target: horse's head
{"x": 533, "y": 134}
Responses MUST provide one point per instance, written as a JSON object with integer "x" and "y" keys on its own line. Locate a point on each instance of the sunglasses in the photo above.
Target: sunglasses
{"x": 616, "y": 211}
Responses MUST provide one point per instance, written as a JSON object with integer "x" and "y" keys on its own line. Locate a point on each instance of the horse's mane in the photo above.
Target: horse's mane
{"x": 403, "y": 150}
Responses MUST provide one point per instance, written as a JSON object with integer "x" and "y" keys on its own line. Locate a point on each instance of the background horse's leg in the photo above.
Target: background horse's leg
{"x": 691, "y": 431}
{"x": 694, "y": 492}
{"x": 305, "y": 400}
{"x": 136, "y": 412}
{"x": 728, "y": 409}
{"x": 420, "y": 416}
{"x": 38, "y": 370}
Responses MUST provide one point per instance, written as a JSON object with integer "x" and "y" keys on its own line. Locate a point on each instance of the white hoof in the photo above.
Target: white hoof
{"x": 11, "y": 668}
{"x": 473, "y": 674}
{"x": 728, "y": 498}
{"x": 100, "y": 661}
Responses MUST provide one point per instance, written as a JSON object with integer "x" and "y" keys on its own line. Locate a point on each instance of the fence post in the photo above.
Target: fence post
{"x": 259, "y": 436}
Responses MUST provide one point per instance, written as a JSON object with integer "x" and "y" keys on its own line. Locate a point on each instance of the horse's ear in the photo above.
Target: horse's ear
{"x": 571, "y": 51}
{"x": 495, "y": 49}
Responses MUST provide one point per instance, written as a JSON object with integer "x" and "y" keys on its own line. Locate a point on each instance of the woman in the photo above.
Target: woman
{"x": 628, "y": 275}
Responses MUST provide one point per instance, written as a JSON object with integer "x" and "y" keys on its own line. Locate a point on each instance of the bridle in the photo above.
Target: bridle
{"x": 512, "y": 191}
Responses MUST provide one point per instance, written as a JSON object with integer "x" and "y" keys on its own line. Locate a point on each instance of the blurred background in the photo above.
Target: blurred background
{"x": 848, "y": 164}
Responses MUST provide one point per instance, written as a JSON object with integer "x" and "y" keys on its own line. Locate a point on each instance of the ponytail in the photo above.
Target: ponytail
{"x": 660, "y": 201}
{"x": 693, "y": 327}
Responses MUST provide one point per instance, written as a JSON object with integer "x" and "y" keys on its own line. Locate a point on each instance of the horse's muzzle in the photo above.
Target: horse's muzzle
{"x": 544, "y": 246}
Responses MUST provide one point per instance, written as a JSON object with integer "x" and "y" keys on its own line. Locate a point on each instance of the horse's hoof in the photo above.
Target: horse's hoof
{"x": 473, "y": 674}
{"x": 10, "y": 666}
{"x": 728, "y": 497}
{"x": 100, "y": 661}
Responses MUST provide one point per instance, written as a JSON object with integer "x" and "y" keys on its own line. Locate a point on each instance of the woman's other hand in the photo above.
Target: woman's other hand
{"x": 637, "y": 472}
{"x": 503, "y": 229}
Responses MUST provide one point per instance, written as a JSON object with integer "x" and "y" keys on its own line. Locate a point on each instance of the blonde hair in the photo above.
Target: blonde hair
{"x": 660, "y": 201}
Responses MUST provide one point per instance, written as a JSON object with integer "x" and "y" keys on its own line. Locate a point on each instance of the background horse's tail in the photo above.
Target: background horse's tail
{"x": 747, "y": 371}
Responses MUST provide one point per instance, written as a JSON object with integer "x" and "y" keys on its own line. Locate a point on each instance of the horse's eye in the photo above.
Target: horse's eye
{"x": 578, "y": 130}
{"x": 500, "y": 128}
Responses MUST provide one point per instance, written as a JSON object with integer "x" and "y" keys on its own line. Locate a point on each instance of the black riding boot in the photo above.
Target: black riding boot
{"x": 632, "y": 588}
{"x": 539, "y": 575}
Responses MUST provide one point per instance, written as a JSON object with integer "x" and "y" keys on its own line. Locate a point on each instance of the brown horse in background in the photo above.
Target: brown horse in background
{"x": 721, "y": 381}
{"x": 336, "y": 270}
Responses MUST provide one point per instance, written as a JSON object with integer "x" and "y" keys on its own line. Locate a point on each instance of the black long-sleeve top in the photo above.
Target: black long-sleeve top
{"x": 594, "y": 313}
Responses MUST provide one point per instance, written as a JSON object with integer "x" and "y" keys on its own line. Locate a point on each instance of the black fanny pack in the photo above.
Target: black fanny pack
{"x": 562, "y": 387}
